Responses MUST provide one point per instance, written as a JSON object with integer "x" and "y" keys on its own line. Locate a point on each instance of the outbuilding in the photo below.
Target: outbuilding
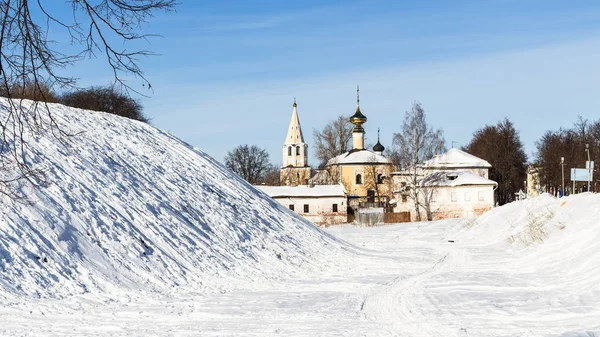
{"x": 321, "y": 204}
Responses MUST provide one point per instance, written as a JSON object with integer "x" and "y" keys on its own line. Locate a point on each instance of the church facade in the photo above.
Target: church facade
{"x": 363, "y": 172}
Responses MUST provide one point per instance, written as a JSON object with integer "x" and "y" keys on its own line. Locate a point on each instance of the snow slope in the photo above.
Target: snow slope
{"x": 129, "y": 207}
{"x": 497, "y": 278}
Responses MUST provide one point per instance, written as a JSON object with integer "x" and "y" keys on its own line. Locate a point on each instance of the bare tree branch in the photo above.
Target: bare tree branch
{"x": 31, "y": 65}
{"x": 416, "y": 143}
{"x": 333, "y": 140}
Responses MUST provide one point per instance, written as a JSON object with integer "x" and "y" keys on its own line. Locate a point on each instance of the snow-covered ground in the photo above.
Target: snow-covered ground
{"x": 219, "y": 258}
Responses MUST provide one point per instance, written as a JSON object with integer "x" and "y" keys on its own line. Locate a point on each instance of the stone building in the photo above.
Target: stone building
{"x": 450, "y": 185}
{"x": 321, "y": 204}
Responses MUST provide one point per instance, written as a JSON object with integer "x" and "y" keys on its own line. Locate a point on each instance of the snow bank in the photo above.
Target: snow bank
{"x": 131, "y": 207}
{"x": 538, "y": 222}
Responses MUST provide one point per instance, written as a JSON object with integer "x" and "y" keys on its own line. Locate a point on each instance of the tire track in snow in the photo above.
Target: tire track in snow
{"x": 392, "y": 303}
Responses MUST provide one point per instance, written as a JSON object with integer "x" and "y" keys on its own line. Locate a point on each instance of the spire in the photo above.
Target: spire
{"x": 357, "y": 95}
{"x": 294, "y": 134}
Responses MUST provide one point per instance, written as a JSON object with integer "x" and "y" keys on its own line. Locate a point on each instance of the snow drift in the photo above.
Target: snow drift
{"x": 131, "y": 207}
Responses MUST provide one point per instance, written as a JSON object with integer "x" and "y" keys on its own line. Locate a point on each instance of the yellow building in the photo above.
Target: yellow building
{"x": 364, "y": 173}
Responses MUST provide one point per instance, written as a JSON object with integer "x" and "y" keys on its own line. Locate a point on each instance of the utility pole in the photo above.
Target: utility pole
{"x": 589, "y": 165}
{"x": 562, "y": 163}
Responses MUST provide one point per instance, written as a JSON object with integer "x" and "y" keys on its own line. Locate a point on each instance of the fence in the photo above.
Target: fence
{"x": 396, "y": 217}
{"x": 370, "y": 216}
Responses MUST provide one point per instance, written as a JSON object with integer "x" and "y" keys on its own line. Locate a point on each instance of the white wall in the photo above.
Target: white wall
{"x": 443, "y": 205}
{"x": 317, "y": 206}
{"x": 467, "y": 199}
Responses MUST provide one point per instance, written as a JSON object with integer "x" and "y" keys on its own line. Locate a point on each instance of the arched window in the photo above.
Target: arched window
{"x": 297, "y": 150}
{"x": 380, "y": 178}
{"x": 358, "y": 179}
{"x": 289, "y": 151}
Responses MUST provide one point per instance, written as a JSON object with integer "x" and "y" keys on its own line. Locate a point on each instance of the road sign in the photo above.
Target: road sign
{"x": 582, "y": 174}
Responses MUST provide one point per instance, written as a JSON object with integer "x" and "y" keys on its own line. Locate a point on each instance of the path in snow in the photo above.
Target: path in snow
{"x": 405, "y": 280}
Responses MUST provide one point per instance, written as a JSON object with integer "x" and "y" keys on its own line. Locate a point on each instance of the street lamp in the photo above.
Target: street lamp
{"x": 562, "y": 163}
{"x": 589, "y": 165}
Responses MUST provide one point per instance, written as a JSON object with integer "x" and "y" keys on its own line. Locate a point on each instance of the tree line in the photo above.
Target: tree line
{"x": 568, "y": 144}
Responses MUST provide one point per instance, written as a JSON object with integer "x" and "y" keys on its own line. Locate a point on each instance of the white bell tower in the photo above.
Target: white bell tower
{"x": 295, "y": 170}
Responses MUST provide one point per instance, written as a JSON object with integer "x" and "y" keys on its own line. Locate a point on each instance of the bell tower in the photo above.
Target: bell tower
{"x": 295, "y": 170}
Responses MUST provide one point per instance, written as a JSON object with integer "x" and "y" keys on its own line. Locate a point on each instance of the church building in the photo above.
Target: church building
{"x": 363, "y": 172}
{"x": 295, "y": 170}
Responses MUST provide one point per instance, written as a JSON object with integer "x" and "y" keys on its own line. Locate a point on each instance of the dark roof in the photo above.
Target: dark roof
{"x": 378, "y": 147}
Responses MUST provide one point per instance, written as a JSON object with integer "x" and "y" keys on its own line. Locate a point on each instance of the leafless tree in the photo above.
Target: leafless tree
{"x": 570, "y": 144}
{"x": 377, "y": 179}
{"x": 272, "y": 176}
{"x": 501, "y": 146}
{"x": 250, "y": 162}
{"x": 416, "y": 143}
{"x": 334, "y": 139}
{"x": 31, "y": 62}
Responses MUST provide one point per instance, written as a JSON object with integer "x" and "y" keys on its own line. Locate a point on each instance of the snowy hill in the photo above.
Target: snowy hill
{"x": 131, "y": 207}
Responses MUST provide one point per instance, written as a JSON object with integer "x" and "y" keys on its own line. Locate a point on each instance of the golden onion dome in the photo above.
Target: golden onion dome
{"x": 358, "y": 119}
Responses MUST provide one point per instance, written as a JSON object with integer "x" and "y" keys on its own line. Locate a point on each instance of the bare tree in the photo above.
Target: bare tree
{"x": 31, "y": 62}
{"x": 39, "y": 92}
{"x": 105, "y": 99}
{"x": 333, "y": 140}
{"x": 250, "y": 162}
{"x": 416, "y": 143}
{"x": 272, "y": 176}
{"x": 570, "y": 144}
{"x": 377, "y": 178}
{"x": 501, "y": 146}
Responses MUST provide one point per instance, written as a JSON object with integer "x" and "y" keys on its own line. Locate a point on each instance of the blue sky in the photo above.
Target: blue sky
{"x": 228, "y": 71}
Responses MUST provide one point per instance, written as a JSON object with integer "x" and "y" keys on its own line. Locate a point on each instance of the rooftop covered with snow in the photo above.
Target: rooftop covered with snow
{"x": 456, "y": 178}
{"x": 359, "y": 157}
{"x": 456, "y": 158}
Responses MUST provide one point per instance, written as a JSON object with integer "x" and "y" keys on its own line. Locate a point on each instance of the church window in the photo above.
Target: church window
{"x": 297, "y": 150}
{"x": 289, "y": 151}
{"x": 334, "y": 208}
{"x": 380, "y": 178}
{"x": 291, "y": 207}
{"x": 358, "y": 179}
{"x": 305, "y": 208}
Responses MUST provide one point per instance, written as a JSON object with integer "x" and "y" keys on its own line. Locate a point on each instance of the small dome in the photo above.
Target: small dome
{"x": 378, "y": 147}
